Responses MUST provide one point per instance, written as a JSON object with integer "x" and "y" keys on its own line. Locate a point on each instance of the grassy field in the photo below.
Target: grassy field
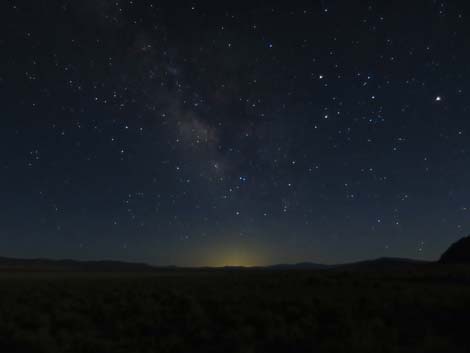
{"x": 418, "y": 309}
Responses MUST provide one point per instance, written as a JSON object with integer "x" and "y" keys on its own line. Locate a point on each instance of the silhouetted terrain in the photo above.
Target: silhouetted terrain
{"x": 298, "y": 266}
{"x": 12, "y": 264}
{"x": 406, "y": 310}
{"x": 458, "y": 253}
{"x": 383, "y": 305}
{"x": 46, "y": 265}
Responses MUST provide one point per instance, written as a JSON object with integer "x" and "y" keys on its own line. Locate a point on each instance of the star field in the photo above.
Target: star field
{"x": 233, "y": 134}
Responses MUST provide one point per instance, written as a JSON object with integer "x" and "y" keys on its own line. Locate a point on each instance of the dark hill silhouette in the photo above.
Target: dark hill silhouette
{"x": 12, "y": 264}
{"x": 385, "y": 262}
{"x": 300, "y": 266}
{"x": 457, "y": 253}
{"x": 382, "y": 263}
{"x": 50, "y": 265}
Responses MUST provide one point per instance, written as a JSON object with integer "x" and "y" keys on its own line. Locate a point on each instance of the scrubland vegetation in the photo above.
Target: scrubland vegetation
{"x": 416, "y": 310}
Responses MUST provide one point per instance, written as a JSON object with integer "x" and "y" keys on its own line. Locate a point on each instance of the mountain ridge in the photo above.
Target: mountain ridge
{"x": 457, "y": 253}
{"x": 47, "y": 264}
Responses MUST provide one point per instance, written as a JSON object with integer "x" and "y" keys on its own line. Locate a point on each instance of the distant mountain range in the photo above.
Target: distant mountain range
{"x": 458, "y": 253}
{"x": 44, "y": 265}
{"x": 13, "y": 264}
{"x": 300, "y": 266}
{"x": 383, "y": 262}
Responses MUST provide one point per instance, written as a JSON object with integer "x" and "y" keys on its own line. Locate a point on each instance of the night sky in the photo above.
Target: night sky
{"x": 232, "y": 134}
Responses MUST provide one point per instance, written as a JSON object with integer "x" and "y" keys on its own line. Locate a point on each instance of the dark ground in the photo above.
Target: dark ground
{"x": 416, "y": 308}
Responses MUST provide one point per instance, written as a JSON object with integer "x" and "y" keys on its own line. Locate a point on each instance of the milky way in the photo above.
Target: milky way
{"x": 233, "y": 134}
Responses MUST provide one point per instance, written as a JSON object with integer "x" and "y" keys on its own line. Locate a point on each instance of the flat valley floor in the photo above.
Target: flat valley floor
{"x": 422, "y": 308}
